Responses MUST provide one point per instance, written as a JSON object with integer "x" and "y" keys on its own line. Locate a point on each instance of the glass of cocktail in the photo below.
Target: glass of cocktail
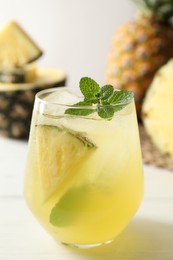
{"x": 84, "y": 178}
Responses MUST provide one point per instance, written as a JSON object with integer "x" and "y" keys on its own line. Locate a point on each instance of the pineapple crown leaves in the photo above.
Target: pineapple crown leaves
{"x": 161, "y": 10}
{"x": 103, "y": 100}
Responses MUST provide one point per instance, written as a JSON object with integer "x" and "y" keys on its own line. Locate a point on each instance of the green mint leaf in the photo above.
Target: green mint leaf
{"x": 117, "y": 108}
{"x": 89, "y": 87}
{"x": 121, "y": 96}
{"x": 105, "y": 112}
{"x": 79, "y": 111}
{"x": 105, "y": 103}
{"x": 106, "y": 91}
{"x": 68, "y": 207}
{"x": 91, "y": 100}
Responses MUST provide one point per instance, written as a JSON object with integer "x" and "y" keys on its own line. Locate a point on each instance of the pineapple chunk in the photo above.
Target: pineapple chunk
{"x": 61, "y": 152}
{"x": 16, "y": 47}
{"x": 30, "y": 72}
{"x": 157, "y": 109}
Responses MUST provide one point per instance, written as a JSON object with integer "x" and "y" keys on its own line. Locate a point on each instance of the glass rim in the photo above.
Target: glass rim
{"x": 93, "y": 106}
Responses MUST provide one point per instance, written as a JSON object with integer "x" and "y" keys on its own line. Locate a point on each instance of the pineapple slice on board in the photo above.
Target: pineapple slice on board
{"x": 16, "y": 47}
{"x": 157, "y": 110}
{"x": 44, "y": 77}
{"x": 140, "y": 47}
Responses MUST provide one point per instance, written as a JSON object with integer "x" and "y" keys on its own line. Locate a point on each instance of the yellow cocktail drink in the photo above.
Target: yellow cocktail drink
{"x": 84, "y": 179}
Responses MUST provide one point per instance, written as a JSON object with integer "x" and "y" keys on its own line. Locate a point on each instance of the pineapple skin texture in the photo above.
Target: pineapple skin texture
{"x": 16, "y": 108}
{"x": 139, "y": 48}
{"x": 157, "y": 110}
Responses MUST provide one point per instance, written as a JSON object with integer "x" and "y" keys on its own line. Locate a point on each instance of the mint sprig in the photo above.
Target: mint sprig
{"x": 68, "y": 208}
{"x": 103, "y": 100}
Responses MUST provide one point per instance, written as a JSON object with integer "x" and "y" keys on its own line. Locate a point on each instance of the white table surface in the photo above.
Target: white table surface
{"x": 149, "y": 236}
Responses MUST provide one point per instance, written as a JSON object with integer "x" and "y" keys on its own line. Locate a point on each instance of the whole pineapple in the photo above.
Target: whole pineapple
{"x": 140, "y": 47}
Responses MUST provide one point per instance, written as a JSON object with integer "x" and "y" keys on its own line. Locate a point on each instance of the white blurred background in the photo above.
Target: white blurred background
{"x": 75, "y": 35}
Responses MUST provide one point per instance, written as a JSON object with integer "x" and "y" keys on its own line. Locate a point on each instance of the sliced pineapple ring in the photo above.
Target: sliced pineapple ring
{"x": 16, "y": 47}
{"x": 60, "y": 154}
{"x": 37, "y": 78}
{"x": 157, "y": 109}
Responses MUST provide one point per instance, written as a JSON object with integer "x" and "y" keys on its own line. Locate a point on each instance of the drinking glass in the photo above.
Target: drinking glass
{"x": 84, "y": 178}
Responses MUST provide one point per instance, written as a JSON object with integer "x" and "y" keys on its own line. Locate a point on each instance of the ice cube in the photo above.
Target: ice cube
{"x": 64, "y": 96}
